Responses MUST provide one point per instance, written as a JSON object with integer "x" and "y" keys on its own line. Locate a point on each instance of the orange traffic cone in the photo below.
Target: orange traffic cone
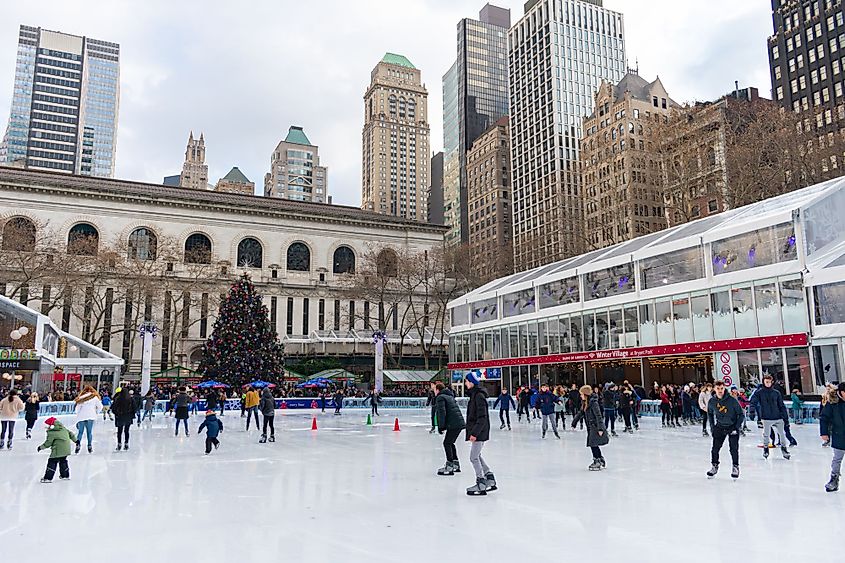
{"x": 314, "y": 423}
{"x": 396, "y": 424}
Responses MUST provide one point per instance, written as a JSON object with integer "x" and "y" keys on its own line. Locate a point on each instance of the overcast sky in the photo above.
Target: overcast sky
{"x": 243, "y": 72}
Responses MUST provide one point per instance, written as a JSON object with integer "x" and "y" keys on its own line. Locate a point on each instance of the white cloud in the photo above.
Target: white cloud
{"x": 243, "y": 72}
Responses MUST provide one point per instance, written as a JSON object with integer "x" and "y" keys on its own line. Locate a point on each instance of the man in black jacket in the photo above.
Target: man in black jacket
{"x": 726, "y": 418}
{"x": 832, "y": 430}
{"x": 451, "y": 421}
{"x": 769, "y": 404}
{"x": 478, "y": 432}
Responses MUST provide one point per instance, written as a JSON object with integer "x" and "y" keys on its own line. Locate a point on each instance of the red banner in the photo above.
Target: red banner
{"x": 781, "y": 341}
{"x": 69, "y": 376}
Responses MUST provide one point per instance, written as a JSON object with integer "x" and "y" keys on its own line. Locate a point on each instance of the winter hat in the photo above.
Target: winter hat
{"x": 50, "y": 421}
{"x": 472, "y": 377}
{"x": 841, "y": 387}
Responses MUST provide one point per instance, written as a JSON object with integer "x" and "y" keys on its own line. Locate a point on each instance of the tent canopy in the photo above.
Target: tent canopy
{"x": 409, "y": 375}
{"x": 334, "y": 374}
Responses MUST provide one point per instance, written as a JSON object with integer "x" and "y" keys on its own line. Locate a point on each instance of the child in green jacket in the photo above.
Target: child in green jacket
{"x": 797, "y": 405}
{"x": 59, "y": 440}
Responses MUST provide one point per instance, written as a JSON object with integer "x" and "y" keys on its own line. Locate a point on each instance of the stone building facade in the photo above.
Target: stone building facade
{"x": 235, "y": 182}
{"x": 395, "y": 140}
{"x": 623, "y": 194}
{"x": 489, "y": 190}
{"x": 295, "y": 171}
{"x": 112, "y": 235}
{"x": 194, "y": 170}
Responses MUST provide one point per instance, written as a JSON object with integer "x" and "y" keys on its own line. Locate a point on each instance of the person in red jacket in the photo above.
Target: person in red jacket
{"x": 665, "y": 407}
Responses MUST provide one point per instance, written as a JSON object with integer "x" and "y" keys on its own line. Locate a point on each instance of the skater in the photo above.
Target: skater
{"x": 322, "y": 397}
{"x": 546, "y": 401}
{"x": 524, "y": 398}
{"x": 221, "y": 401}
{"x": 478, "y": 432}
{"x": 575, "y": 403}
{"x": 665, "y": 408}
{"x": 725, "y": 417}
{"x": 181, "y": 403}
{"x": 374, "y": 399}
{"x": 211, "y": 400}
{"x": 504, "y": 401}
{"x": 124, "y": 413}
{"x": 10, "y": 406}
{"x": 626, "y": 407}
{"x": 106, "y": 401}
{"x": 769, "y": 404}
{"x": 267, "y": 406}
{"x": 338, "y": 401}
{"x": 250, "y": 402}
{"x": 703, "y": 403}
{"x": 88, "y": 406}
{"x": 149, "y": 406}
{"x": 797, "y": 405}
{"x": 610, "y": 401}
{"x": 31, "y": 412}
{"x": 213, "y": 427}
{"x": 429, "y": 402}
{"x": 136, "y": 404}
{"x": 560, "y": 407}
{"x": 596, "y": 430}
{"x": 451, "y": 421}
{"x": 194, "y": 403}
{"x": 58, "y": 440}
{"x": 832, "y": 431}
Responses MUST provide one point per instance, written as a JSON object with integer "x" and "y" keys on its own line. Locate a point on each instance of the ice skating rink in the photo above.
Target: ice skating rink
{"x": 351, "y": 493}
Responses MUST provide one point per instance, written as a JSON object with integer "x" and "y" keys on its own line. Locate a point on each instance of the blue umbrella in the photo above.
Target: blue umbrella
{"x": 211, "y": 383}
{"x": 260, "y": 384}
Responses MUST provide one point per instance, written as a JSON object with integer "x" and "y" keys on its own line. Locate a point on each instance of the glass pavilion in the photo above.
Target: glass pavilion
{"x": 754, "y": 290}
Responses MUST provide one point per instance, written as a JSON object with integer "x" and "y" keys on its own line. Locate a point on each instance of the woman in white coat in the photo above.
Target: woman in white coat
{"x": 88, "y": 406}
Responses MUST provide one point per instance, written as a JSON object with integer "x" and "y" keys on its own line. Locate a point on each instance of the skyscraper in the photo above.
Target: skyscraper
{"x": 194, "y": 169}
{"x": 560, "y": 52}
{"x": 806, "y": 59}
{"x": 295, "y": 171}
{"x": 65, "y": 103}
{"x": 435, "y": 191}
{"x": 475, "y": 96}
{"x": 395, "y": 141}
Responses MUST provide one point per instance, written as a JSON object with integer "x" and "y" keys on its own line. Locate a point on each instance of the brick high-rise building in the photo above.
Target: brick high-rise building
{"x": 396, "y": 155}
{"x": 560, "y": 52}
{"x": 489, "y": 203}
{"x": 65, "y": 104}
{"x": 807, "y": 59}
{"x": 295, "y": 171}
{"x": 475, "y": 96}
{"x": 623, "y": 196}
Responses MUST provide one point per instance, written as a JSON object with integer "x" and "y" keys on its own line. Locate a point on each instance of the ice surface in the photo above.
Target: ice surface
{"x": 350, "y": 493}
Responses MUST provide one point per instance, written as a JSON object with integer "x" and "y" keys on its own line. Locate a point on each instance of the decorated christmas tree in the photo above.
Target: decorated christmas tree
{"x": 243, "y": 345}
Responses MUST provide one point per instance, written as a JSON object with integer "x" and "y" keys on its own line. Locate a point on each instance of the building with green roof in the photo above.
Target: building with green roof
{"x": 295, "y": 171}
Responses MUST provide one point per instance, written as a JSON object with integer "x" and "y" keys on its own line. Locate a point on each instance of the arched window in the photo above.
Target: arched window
{"x": 197, "y": 249}
{"x": 19, "y": 235}
{"x": 344, "y": 261}
{"x": 299, "y": 258}
{"x": 387, "y": 263}
{"x": 142, "y": 244}
{"x": 83, "y": 240}
{"x": 250, "y": 254}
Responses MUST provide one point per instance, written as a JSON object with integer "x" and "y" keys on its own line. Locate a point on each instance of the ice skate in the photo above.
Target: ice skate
{"x": 64, "y": 478}
{"x": 705, "y": 433}
{"x": 766, "y": 451}
{"x": 502, "y": 427}
{"x": 636, "y": 427}
{"x": 735, "y": 472}
{"x": 119, "y": 447}
{"x": 832, "y": 485}
{"x": 785, "y": 453}
{"x": 603, "y": 462}
{"x": 28, "y": 433}
{"x": 272, "y": 439}
{"x": 430, "y": 431}
{"x": 46, "y": 481}
{"x": 216, "y": 445}
{"x": 456, "y": 466}
{"x": 491, "y": 481}
{"x": 126, "y": 447}
{"x": 544, "y": 435}
{"x": 90, "y": 449}
{"x": 446, "y": 470}
{"x": 479, "y": 489}
{"x": 614, "y": 434}
{"x": 557, "y": 435}
{"x": 263, "y": 439}
{"x": 509, "y": 427}
{"x": 713, "y": 470}
{"x": 793, "y": 444}
{"x": 9, "y": 445}
{"x": 78, "y": 447}
{"x": 596, "y": 465}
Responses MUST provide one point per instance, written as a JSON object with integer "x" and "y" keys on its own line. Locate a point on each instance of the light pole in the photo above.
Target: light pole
{"x": 147, "y": 331}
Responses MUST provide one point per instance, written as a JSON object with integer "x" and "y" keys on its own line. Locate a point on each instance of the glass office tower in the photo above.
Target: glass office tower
{"x": 65, "y": 104}
{"x": 475, "y": 96}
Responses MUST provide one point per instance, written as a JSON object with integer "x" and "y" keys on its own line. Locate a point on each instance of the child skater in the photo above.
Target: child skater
{"x": 213, "y": 426}
{"x": 59, "y": 440}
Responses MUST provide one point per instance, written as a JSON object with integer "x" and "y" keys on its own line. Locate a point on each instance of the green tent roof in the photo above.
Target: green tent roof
{"x": 235, "y": 175}
{"x": 399, "y": 60}
{"x": 297, "y": 135}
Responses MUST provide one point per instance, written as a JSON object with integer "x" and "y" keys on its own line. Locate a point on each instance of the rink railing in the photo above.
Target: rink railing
{"x": 809, "y": 412}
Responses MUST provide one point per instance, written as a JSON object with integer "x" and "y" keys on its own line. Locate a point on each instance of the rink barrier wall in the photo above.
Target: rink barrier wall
{"x": 809, "y": 412}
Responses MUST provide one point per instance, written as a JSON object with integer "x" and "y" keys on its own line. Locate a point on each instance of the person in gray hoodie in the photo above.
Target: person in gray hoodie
{"x": 267, "y": 406}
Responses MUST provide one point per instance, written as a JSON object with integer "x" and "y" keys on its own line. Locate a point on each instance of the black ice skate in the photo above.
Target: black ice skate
{"x": 502, "y": 427}
{"x": 78, "y": 446}
{"x": 479, "y": 489}
{"x": 447, "y": 470}
{"x": 596, "y": 465}
{"x": 263, "y": 439}
{"x": 785, "y": 453}
{"x": 713, "y": 470}
{"x": 832, "y": 485}
{"x": 456, "y": 466}
{"x": 735, "y": 472}
{"x": 126, "y": 447}
{"x": 28, "y": 434}
{"x": 272, "y": 439}
{"x": 491, "y": 481}
{"x": 603, "y": 462}
{"x": 705, "y": 433}
{"x": 766, "y": 451}
{"x": 614, "y": 434}
{"x": 119, "y": 447}
{"x": 90, "y": 449}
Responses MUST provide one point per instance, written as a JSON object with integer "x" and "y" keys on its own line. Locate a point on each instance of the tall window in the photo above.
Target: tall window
{"x": 142, "y": 244}
{"x": 299, "y": 257}
{"x": 344, "y": 261}
{"x": 198, "y": 249}
{"x": 83, "y": 240}
{"x": 19, "y": 235}
{"x": 250, "y": 254}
